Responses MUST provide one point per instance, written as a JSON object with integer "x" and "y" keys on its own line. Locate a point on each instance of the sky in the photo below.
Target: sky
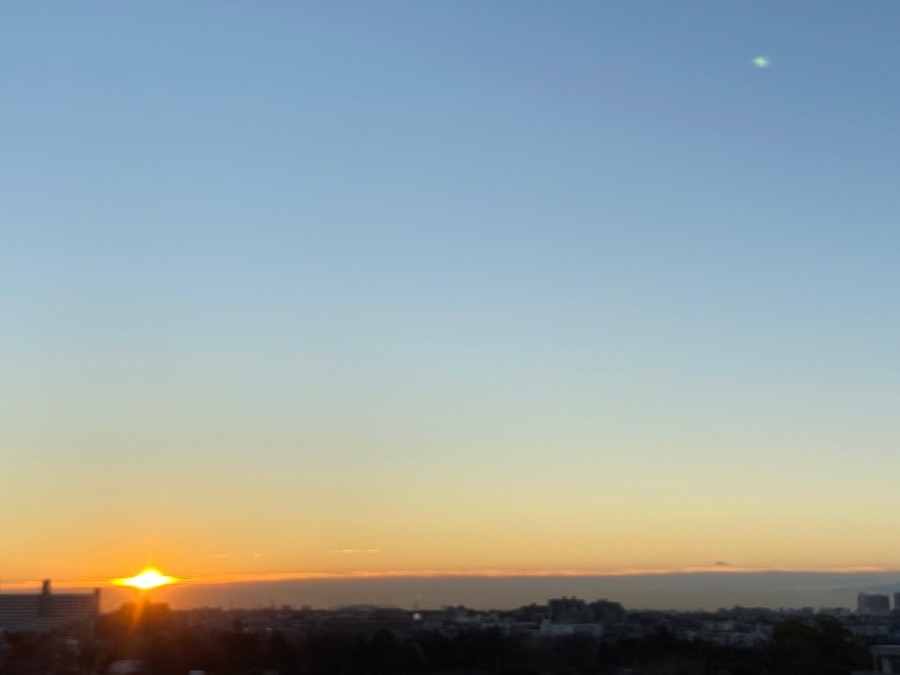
{"x": 511, "y": 287}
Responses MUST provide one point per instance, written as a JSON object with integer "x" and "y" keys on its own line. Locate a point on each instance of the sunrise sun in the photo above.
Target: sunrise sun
{"x": 149, "y": 578}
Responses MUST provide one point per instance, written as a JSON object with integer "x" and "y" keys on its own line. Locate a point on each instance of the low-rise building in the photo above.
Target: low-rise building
{"x": 46, "y": 611}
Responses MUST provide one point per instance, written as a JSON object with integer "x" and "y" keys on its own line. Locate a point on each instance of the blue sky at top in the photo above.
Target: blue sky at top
{"x": 527, "y": 229}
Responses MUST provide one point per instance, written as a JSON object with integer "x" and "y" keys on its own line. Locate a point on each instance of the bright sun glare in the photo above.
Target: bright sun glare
{"x": 149, "y": 578}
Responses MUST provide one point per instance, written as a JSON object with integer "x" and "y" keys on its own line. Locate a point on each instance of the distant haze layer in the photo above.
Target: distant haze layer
{"x": 681, "y": 591}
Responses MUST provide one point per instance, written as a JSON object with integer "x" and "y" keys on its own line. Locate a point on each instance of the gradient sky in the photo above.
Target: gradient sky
{"x": 323, "y": 287}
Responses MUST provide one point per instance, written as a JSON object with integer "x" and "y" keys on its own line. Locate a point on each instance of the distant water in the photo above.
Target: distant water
{"x": 662, "y": 591}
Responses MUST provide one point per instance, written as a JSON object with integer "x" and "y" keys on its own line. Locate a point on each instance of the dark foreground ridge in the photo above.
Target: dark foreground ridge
{"x": 565, "y": 636}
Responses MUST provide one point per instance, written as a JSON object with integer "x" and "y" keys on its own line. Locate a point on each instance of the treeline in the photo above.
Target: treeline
{"x": 822, "y": 646}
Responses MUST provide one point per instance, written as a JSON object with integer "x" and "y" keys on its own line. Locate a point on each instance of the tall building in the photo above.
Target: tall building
{"x": 872, "y": 604}
{"x": 46, "y": 611}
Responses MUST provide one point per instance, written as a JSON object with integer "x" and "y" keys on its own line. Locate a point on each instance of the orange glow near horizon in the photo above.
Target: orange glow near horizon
{"x": 263, "y": 577}
{"x": 149, "y": 578}
{"x": 152, "y": 578}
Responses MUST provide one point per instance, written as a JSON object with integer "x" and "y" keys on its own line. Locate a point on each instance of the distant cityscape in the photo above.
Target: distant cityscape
{"x": 874, "y": 615}
{"x": 72, "y": 624}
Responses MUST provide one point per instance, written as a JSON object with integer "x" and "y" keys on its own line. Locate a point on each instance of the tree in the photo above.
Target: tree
{"x": 821, "y": 646}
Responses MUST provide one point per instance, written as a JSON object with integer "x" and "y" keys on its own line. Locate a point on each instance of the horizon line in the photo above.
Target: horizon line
{"x": 499, "y": 573}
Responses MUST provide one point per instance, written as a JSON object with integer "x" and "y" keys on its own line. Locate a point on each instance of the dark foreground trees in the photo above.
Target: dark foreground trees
{"x": 798, "y": 647}
{"x": 822, "y": 645}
